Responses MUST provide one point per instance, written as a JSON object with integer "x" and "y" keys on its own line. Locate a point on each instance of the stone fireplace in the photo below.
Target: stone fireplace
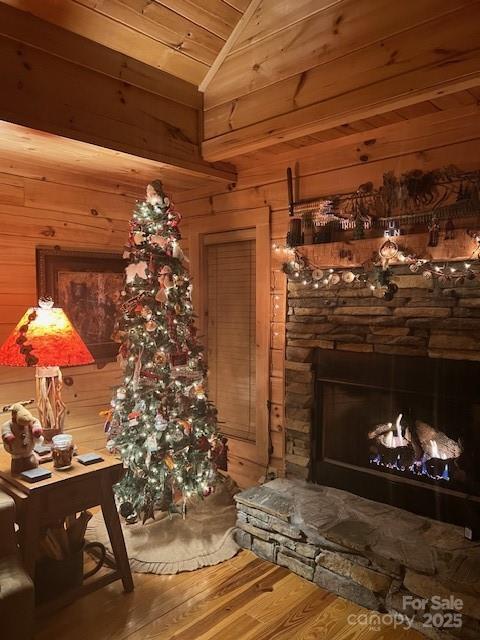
{"x": 381, "y": 396}
{"x": 382, "y": 411}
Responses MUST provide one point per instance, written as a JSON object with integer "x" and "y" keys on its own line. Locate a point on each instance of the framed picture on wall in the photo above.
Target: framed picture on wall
{"x": 87, "y": 285}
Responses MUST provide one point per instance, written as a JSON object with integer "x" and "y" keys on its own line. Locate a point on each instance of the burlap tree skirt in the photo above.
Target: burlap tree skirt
{"x": 170, "y": 544}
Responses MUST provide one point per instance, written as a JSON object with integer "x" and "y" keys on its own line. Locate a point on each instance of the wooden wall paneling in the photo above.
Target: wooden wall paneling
{"x": 25, "y": 226}
{"x": 365, "y": 102}
{"x": 272, "y": 16}
{"x": 276, "y": 390}
{"x": 339, "y": 180}
{"x": 277, "y": 336}
{"x": 276, "y": 417}
{"x": 104, "y": 110}
{"x": 276, "y": 363}
{"x": 426, "y": 132}
{"x": 277, "y": 306}
{"x": 28, "y": 29}
{"x": 52, "y": 226}
{"x": 77, "y": 200}
{"x": 11, "y": 189}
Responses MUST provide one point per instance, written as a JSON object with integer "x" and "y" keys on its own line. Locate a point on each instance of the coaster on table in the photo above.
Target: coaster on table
{"x": 43, "y": 449}
{"x": 35, "y": 475}
{"x": 89, "y": 458}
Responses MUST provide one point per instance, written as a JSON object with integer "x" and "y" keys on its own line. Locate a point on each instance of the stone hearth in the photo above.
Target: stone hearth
{"x": 364, "y": 551}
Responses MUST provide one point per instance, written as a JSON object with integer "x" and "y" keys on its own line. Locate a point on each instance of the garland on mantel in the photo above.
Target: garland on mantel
{"x": 376, "y": 273}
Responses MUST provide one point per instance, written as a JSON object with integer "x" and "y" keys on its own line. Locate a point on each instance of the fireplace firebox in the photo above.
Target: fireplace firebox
{"x": 401, "y": 430}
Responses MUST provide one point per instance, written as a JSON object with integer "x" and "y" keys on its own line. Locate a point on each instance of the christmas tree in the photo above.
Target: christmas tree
{"x": 161, "y": 422}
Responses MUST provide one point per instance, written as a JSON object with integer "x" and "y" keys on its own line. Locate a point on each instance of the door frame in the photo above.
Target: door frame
{"x": 258, "y": 220}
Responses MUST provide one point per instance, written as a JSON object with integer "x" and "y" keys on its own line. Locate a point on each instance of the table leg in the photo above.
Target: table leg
{"x": 115, "y": 533}
{"x": 30, "y": 535}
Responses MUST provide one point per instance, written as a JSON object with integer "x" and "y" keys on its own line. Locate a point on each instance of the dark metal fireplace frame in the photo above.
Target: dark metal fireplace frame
{"x": 429, "y": 499}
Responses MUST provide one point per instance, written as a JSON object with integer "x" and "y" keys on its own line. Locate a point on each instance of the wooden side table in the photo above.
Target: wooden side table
{"x": 67, "y": 492}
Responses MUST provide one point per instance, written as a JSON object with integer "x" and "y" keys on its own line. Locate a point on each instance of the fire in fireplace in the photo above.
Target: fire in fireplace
{"x": 399, "y": 429}
{"x": 418, "y": 449}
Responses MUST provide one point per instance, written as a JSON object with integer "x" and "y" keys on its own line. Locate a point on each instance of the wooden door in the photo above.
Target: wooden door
{"x": 241, "y": 242}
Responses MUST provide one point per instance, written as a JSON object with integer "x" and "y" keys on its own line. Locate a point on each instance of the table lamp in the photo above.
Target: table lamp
{"x": 46, "y": 339}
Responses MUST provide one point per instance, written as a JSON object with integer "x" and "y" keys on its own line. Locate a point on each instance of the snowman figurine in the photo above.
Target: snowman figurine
{"x": 20, "y": 436}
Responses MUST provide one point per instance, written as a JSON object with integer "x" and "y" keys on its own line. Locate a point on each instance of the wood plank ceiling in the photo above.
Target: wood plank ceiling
{"x": 312, "y": 70}
{"x": 282, "y": 76}
{"x": 181, "y": 37}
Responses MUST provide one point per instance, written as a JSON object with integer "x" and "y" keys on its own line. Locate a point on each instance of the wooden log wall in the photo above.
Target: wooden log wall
{"x": 426, "y": 142}
{"x": 47, "y": 212}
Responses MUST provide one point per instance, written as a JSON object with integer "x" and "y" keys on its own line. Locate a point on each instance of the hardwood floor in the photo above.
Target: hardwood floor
{"x": 242, "y": 599}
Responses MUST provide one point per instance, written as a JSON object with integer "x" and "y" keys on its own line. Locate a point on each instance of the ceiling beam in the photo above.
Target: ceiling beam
{"x": 393, "y": 93}
{"x": 91, "y": 100}
{"x": 87, "y": 22}
{"x": 28, "y": 29}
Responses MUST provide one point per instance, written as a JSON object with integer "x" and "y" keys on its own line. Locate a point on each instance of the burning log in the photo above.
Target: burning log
{"x": 394, "y": 450}
{"x": 436, "y": 444}
{"x": 420, "y": 448}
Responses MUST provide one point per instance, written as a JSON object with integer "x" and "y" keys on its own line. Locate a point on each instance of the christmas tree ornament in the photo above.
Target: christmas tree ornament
{"x": 160, "y": 423}
{"x": 138, "y": 269}
{"x": 139, "y": 237}
{"x": 151, "y": 325}
{"x": 160, "y": 241}
{"x": 127, "y": 511}
{"x": 161, "y": 296}
{"x": 154, "y": 193}
{"x": 165, "y": 278}
{"x": 433, "y": 232}
{"x": 133, "y": 418}
{"x": 132, "y": 518}
{"x": 348, "y": 277}
{"x": 449, "y": 229}
{"x": 169, "y": 462}
{"x": 388, "y": 252}
{"x": 160, "y": 357}
{"x": 185, "y": 425}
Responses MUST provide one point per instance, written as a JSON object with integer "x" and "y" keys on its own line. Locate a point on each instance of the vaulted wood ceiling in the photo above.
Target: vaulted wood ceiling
{"x": 311, "y": 66}
{"x": 182, "y": 37}
{"x": 281, "y": 77}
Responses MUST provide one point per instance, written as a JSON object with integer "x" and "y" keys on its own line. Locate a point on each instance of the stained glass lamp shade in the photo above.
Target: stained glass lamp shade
{"x": 46, "y": 339}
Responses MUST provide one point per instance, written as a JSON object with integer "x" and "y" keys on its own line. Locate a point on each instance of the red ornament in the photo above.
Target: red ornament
{"x": 203, "y": 444}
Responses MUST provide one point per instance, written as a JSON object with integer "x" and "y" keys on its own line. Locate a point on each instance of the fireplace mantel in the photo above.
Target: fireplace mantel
{"x": 354, "y": 253}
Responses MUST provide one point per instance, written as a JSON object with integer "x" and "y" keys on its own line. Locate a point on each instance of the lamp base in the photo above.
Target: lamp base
{"x": 51, "y": 408}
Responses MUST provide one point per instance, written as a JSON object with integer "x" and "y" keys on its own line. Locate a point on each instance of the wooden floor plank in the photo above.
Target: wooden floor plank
{"x": 244, "y": 598}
